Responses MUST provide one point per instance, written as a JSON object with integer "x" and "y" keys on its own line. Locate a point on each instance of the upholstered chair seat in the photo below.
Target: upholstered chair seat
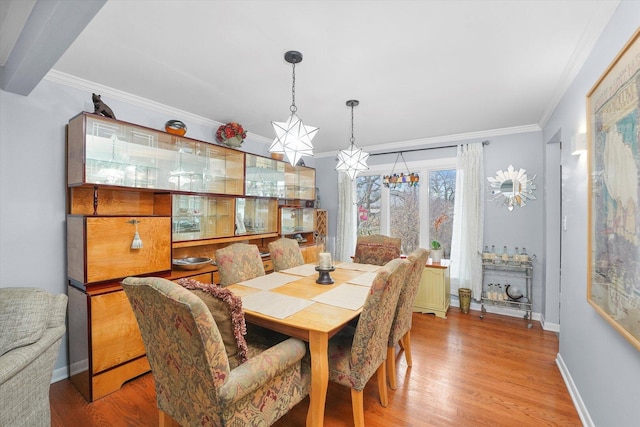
{"x": 238, "y": 262}
{"x": 401, "y": 326}
{"x": 195, "y": 384}
{"x": 285, "y": 253}
{"x": 376, "y": 249}
{"x": 356, "y": 354}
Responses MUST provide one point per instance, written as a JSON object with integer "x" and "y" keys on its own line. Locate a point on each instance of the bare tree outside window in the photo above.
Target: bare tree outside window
{"x": 369, "y": 193}
{"x": 442, "y": 191}
{"x": 405, "y": 216}
{"x": 405, "y": 211}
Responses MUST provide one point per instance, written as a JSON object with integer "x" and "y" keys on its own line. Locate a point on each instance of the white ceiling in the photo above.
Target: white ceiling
{"x": 423, "y": 71}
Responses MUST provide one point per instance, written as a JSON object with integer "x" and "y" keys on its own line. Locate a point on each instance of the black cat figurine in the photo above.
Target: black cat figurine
{"x": 101, "y": 108}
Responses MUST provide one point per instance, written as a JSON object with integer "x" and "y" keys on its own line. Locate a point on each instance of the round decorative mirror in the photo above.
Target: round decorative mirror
{"x": 512, "y": 188}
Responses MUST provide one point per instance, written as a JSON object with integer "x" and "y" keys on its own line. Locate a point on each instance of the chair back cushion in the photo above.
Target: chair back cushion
{"x": 377, "y": 249}
{"x": 226, "y": 309}
{"x": 285, "y": 253}
{"x": 182, "y": 341}
{"x": 404, "y": 309}
{"x": 238, "y": 262}
{"x": 24, "y": 316}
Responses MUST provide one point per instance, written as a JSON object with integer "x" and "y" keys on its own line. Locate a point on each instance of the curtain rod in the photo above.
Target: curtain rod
{"x": 422, "y": 149}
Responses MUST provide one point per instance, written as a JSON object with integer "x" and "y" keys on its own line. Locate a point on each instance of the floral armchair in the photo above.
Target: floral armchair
{"x": 377, "y": 249}
{"x": 401, "y": 326}
{"x": 194, "y": 383}
{"x": 285, "y": 253}
{"x": 238, "y": 262}
{"x": 355, "y": 355}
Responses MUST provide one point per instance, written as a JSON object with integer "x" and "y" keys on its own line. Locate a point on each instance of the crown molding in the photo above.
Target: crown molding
{"x": 440, "y": 140}
{"x": 589, "y": 38}
{"x": 91, "y": 87}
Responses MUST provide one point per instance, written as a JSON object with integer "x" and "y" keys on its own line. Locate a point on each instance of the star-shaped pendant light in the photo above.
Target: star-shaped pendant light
{"x": 353, "y": 159}
{"x": 293, "y": 138}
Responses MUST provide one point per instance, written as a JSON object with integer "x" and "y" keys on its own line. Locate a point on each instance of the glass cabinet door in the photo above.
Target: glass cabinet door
{"x": 264, "y": 177}
{"x": 300, "y": 182}
{"x": 256, "y": 216}
{"x": 121, "y": 155}
{"x": 109, "y": 152}
{"x": 201, "y": 217}
{"x": 297, "y": 220}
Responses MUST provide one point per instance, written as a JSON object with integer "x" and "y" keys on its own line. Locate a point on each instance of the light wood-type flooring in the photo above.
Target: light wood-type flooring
{"x": 466, "y": 372}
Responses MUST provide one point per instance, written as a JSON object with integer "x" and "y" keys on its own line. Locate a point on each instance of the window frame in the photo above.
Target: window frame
{"x": 423, "y": 168}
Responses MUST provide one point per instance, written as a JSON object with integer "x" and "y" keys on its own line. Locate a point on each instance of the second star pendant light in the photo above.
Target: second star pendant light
{"x": 353, "y": 159}
{"x": 293, "y": 138}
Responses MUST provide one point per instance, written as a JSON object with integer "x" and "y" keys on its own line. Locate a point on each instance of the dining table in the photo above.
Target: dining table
{"x": 291, "y": 302}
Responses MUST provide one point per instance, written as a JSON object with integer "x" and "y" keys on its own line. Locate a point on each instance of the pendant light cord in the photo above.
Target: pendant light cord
{"x": 293, "y": 107}
{"x": 353, "y": 139}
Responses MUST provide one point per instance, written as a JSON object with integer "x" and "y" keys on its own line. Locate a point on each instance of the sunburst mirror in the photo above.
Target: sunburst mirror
{"x": 512, "y": 188}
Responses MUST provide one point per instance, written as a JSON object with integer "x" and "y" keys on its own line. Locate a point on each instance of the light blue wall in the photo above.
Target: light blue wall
{"x": 521, "y": 227}
{"x": 605, "y": 367}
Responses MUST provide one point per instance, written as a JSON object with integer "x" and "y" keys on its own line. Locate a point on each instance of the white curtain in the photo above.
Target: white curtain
{"x": 347, "y": 219}
{"x": 468, "y": 221}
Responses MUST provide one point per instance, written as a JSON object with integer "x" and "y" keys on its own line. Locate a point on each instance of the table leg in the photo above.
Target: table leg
{"x": 318, "y": 345}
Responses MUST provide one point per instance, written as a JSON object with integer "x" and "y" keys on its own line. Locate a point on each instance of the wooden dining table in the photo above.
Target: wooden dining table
{"x": 315, "y": 324}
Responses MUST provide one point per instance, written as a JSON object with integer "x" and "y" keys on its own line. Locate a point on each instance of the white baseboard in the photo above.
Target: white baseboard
{"x": 583, "y": 413}
{"x": 60, "y": 374}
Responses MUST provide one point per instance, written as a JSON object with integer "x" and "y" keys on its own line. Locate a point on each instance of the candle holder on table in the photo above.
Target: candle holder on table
{"x": 324, "y": 276}
{"x": 324, "y": 267}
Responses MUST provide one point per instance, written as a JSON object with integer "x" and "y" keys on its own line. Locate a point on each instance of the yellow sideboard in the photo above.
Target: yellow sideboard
{"x": 433, "y": 293}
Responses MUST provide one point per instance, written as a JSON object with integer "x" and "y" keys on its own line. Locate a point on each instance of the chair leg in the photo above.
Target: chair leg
{"x": 382, "y": 384}
{"x": 406, "y": 340}
{"x": 391, "y": 367}
{"x": 357, "y": 406}
{"x": 165, "y": 420}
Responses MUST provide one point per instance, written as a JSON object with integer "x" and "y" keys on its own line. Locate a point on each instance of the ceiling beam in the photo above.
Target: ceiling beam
{"x": 51, "y": 28}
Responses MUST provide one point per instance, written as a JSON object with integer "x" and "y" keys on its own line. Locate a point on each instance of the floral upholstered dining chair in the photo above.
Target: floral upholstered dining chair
{"x": 195, "y": 385}
{"x": 401, "y": 326}
{"x": 238, "y": 262}
{"x": 356, "y": 354}
{"x": 285, "y": 253}
{"x": 377, "y": 249}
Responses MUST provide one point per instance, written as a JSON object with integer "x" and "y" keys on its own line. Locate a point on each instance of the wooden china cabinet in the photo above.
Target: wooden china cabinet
{"x": 138, "y": 198}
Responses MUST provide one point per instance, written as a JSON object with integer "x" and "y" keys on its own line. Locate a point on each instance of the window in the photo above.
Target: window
{"x": 407, "y": 211}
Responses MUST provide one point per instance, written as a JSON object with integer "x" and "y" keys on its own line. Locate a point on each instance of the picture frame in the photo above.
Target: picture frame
{"x": 613, "y": 149}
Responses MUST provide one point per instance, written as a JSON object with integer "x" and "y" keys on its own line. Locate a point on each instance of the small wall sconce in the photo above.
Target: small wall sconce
{"x": 578, "y": 144}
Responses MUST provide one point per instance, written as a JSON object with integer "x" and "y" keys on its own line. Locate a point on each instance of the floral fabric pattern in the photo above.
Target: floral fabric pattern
{"x": 404, "y": 310}
{"x": 285, "y": 253}
{"x": 377, "y": 249}
{"x": 238, "y": 262}
{"x": 226, "y": 309}
{"x": 194, "y": 384}
{"x": 356, "y": 353}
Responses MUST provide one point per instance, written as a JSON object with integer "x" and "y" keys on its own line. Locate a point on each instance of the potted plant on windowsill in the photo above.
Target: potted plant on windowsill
{"x": 436, "y": 247}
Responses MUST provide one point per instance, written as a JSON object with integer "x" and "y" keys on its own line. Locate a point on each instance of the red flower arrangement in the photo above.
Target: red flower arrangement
{"x": 231, "y": 131}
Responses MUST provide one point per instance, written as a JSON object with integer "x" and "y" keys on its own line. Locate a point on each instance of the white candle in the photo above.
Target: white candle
{"x": 324, "y": 260}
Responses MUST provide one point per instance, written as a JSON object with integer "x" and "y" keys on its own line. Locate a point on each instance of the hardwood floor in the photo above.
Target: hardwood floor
{"x": 466, "y": 371}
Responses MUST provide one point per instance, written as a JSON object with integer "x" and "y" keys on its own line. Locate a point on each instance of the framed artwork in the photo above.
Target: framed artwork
{"x": 613, "y": 114}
